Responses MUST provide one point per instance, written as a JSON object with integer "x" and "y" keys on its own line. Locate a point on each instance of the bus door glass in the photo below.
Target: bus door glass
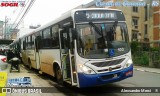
{"x": 67, "y": 57}
{"x": 24, "y": 52}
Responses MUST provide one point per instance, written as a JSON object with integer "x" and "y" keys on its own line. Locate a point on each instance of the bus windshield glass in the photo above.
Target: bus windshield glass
{"x": 102, "y": 40}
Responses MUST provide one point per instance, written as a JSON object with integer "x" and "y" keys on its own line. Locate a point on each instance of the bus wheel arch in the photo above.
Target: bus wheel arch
{"x": 58, "y": 73}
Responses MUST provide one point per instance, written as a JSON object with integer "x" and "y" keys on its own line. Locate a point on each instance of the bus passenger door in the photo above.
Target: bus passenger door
{"x": 67, "y": 58}
{"x": 37, "y": 47}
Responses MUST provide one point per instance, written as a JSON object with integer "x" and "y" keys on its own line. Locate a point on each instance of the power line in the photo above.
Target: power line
{"x": 20, "y": 12}
{"x": 24, "y": 14}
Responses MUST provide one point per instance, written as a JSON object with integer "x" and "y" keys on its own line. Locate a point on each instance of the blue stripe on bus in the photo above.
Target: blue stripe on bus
{"x": 88, "y": 80}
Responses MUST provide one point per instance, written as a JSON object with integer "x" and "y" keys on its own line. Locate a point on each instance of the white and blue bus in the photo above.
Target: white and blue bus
{"x": 83, "y": 47}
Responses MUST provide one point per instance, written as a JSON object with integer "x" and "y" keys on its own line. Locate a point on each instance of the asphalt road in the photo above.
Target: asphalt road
{"x": 140, "y": 80}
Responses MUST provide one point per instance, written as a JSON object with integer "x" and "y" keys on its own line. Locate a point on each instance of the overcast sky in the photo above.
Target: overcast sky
{"x": 42, "y": 11}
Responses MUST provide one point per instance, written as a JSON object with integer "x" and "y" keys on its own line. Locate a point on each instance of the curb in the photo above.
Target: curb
{"x": 142, "y": 70}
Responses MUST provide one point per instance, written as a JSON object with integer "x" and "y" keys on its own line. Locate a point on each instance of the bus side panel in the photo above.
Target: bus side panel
{"x": 47, "y": 57}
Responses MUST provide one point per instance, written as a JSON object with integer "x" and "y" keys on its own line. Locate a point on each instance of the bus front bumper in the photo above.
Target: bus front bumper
{"x": 88, "y": 80}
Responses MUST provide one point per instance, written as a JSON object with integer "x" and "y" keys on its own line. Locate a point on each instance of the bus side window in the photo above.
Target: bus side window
{"x": 46, "y": 38}
{"x": 55, "y": 37}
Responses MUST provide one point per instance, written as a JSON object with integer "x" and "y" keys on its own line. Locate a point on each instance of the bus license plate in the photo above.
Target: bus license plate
{"x": 115, "y": 75}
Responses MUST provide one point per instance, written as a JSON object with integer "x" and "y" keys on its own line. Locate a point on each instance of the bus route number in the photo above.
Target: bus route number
{"x": 120, "y": 49}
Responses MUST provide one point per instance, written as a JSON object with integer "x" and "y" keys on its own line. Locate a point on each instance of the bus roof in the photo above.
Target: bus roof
{"x": 69, "y": 14}
{"x": 65, "y": 16}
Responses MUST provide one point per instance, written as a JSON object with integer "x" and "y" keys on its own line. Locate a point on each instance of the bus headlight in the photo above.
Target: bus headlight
{"x": 129, "y": 62}
{"x": 86, "y": 69}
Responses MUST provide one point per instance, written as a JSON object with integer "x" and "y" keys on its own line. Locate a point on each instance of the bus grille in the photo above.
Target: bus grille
{"x": 117, "y": 67}
{"x": 108, "y": 63}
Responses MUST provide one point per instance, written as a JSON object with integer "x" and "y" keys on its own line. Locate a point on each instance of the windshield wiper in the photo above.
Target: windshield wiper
{"x": 96, "y": 28}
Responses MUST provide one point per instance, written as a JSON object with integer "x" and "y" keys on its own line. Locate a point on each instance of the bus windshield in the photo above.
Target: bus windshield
{"x": 95, "y": 40}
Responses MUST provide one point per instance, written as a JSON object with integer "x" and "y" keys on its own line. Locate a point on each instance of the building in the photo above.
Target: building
{"x": 10, "y": 30}
{"x": 156, "y": 23}
{"x": 13, "y": 33}
{"x": 148, "y": 21}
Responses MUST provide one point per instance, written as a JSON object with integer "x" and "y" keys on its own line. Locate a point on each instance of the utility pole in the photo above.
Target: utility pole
{"x": 5, "y": 27}
{"x": 1, "y": 29}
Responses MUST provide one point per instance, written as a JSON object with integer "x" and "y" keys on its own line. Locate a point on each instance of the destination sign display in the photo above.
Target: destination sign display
{"x": 98, "y": 15}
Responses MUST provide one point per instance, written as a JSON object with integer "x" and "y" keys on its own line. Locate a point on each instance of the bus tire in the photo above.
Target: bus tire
{"x": 58, "y": 75}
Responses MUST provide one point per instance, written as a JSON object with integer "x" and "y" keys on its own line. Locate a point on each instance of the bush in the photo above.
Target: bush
{"x": 145, "y": 59}
{"x": 135, "y": 46}
{"x": 141, "y": 59}
{"x": 155, "y": 49}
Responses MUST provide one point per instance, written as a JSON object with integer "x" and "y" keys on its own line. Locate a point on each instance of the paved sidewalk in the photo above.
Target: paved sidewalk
{"x": 7, "y": 69}
{"x": 147, "y": 69}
